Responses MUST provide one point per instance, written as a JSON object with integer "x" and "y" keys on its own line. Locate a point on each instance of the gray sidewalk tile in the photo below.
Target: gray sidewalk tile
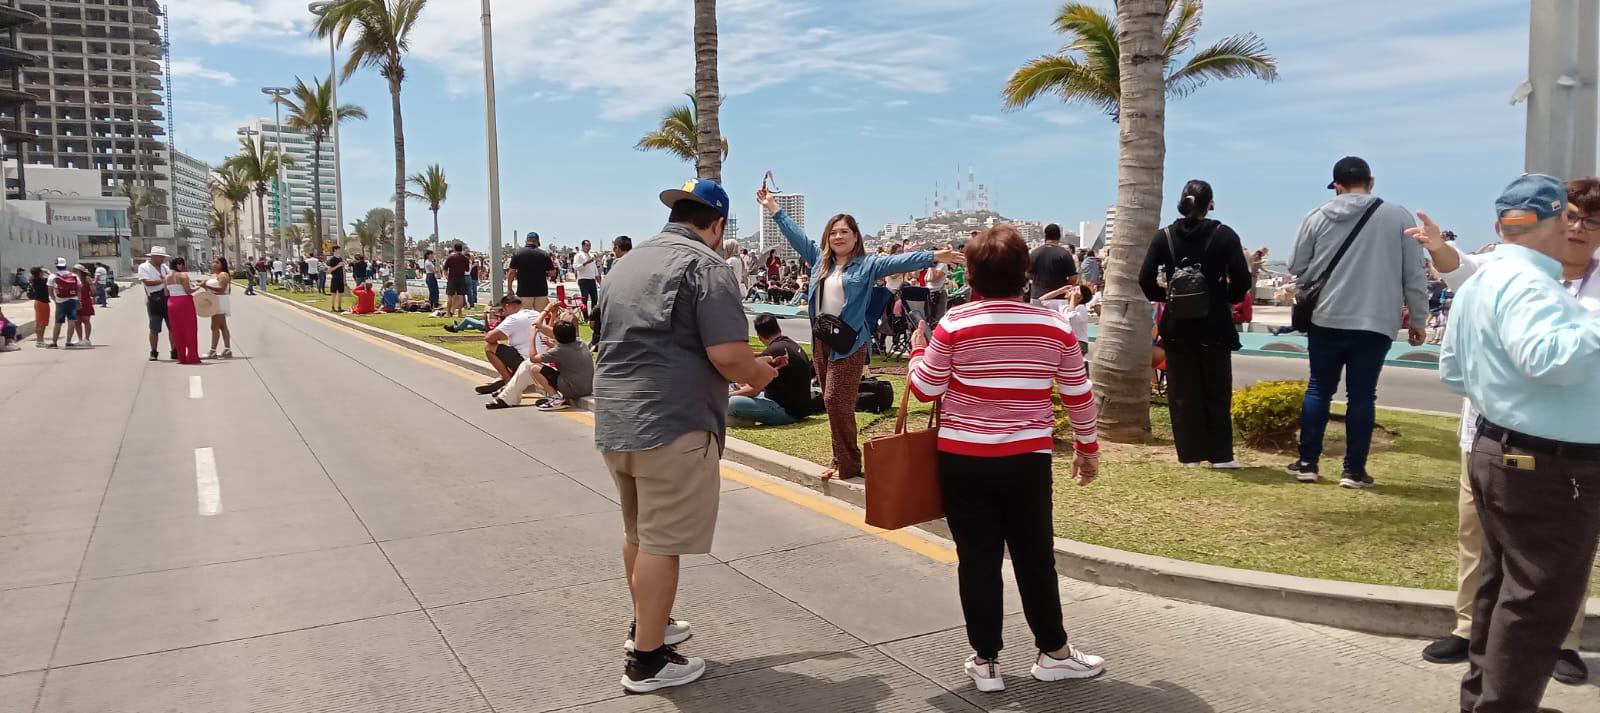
{"x": 47, "y": 512}
{"x": 18, "y": 691}
{"x": 751, "y": 522}
{"x": 410, "y": 512}
{"x": 29, "y": 621}
{"x": 41, "y": 558}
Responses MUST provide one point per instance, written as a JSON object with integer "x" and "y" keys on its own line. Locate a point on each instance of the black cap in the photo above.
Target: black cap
{"x": 531, "y": 238}
{"x": 1350, "y": 171}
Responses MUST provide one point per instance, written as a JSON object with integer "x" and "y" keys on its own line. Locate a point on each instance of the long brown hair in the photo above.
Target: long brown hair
{"x": 827, "y": 247}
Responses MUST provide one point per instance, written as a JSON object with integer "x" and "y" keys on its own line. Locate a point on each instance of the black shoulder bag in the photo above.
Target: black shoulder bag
{"x": 829, "y": 328}
{"x": 1307, "y": 296}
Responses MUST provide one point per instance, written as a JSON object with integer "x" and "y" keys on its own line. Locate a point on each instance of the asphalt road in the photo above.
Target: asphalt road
{"x": 330, "y": 523}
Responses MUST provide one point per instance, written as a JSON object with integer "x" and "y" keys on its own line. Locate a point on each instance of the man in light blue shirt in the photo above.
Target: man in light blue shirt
{"x": 1523, "y": 350}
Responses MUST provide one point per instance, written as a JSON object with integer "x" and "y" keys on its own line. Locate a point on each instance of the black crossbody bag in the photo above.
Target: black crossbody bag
{"x": 1306, "y": 298}
{"x": 829, "y": 328}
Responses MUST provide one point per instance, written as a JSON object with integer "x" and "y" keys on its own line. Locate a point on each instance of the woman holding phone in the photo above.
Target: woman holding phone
{"x": 842, "y": 278}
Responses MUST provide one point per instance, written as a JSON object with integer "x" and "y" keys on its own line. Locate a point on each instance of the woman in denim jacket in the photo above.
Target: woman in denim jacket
{"x": 842, "y": 277}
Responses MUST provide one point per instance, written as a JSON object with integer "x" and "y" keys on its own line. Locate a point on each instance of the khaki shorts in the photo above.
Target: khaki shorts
{"x": 535, "y": 303}
{"x": 670, "y": 494}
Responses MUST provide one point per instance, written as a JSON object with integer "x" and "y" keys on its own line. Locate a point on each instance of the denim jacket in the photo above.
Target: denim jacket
{"x": 860, "y": 275}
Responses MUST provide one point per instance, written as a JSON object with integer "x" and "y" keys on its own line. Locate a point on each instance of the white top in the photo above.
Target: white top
{"x": 427, "y": 267}
{"x": 176, "y": 290}
{"x": 313, "y": 266}
{"x": 277, "y": 266}
{"x": 585, "y": 264}
{"x": 737, "y": 264}
{"x": 518, "y": 328}
{"x": 100, "y": 274}
{"x": 893, "y": 282}
{"x": 832, "y": 299}
{"x": 1586, "y": 289}
{"x": 937, "y": 283}
{"x": 148, "y": 271}
{"x": 51, "y": 282}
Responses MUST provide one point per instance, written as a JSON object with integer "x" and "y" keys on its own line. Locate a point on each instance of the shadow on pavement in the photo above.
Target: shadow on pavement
{"x": 833, "y": 682}
{"x": 1102, "y": 694}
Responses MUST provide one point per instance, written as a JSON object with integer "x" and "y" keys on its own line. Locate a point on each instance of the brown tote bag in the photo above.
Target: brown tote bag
{"x": 903, "y": 473}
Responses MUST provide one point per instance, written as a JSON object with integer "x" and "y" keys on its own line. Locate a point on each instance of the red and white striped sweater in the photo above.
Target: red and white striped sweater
{"x": 995, "y": 362}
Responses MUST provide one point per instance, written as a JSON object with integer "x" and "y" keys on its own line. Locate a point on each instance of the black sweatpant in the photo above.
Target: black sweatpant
{"x": 993, "y": 504}
{"x": 1540, "y": 526}
{"x": 1200, "y": 396}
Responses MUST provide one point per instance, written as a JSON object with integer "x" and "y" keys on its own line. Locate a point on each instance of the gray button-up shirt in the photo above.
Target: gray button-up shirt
{"x": 660, "y": 308}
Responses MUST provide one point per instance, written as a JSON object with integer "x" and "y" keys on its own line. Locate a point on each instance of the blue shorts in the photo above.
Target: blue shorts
{"x": 67, "y": 311}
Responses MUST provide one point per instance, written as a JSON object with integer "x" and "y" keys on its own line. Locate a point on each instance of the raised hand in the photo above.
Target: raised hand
{"x": 1428, "y": 234}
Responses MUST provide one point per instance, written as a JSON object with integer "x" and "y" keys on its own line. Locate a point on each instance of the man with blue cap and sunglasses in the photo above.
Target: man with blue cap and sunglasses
{"x": 1523, "y": 350}
{"x": 672, "y": 336}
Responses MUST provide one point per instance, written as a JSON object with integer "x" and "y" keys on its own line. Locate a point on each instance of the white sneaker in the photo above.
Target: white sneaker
{"x": 677, "y": 633}
{"x": 985, "y": 675}
{"x": 1077, "y": 664}
{"x": 1230, "y": 465}
{"x": 673, "y": 670}
{"x": 211, "y": 354}
{"x": 9, "y": 348}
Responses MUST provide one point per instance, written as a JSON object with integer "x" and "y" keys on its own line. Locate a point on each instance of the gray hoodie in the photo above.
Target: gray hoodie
{"x": 1381, "y": 273}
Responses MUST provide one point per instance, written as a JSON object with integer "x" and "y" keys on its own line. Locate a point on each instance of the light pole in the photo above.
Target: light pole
{"x": 286, "y": 201}
{"x": 318, "y": 8}
{"x": 493, "y": 132}
{"x": 250, "y": 134}
{"x": 1561, "y": 92}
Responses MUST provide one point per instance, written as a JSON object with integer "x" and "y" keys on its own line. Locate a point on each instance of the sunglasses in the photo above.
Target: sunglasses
{"x": 769, "y": 185}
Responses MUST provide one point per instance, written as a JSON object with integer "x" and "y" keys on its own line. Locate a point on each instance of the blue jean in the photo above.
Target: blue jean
{"x": 759, "y": 409}
{"x": 472, "y": 292}
{"x": 433, "y": 291}
{"x": 100, "y": 293}
{"x": 1359, "y": 355}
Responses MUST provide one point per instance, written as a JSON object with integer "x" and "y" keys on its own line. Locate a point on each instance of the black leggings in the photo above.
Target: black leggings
{"x": 1200, "y": 394}
{"x": 993, "y": 504}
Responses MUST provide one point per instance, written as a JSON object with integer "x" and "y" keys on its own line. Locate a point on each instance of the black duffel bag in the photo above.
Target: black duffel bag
{"x": 875, "y": 395}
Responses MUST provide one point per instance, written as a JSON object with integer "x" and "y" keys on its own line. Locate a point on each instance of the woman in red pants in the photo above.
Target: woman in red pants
{"x": 181, "y": 317}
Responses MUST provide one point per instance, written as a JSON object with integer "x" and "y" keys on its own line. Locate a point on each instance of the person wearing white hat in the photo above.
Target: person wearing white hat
{"x": 64, "y": 292}
{"x": 153, "y": 274}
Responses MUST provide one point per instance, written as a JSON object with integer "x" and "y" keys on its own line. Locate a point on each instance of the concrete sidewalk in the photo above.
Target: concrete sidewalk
{"x": 330, "y": 523}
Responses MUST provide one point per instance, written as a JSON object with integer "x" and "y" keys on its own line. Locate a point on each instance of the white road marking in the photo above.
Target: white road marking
{"x": 207, "y": 488}
{"x": 195, "y": 391}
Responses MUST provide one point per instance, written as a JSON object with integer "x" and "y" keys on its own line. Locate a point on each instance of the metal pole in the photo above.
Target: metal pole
{"x": 1561, "y": 87}
{"x": 338, "y": 178}
{"x": 492, "y": 131}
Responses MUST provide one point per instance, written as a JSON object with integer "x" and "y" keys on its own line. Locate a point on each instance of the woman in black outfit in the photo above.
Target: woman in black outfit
{"x": 1199, "y": 350}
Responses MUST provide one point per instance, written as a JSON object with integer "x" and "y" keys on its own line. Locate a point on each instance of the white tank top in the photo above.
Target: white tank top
{"x": 176, "y": 290}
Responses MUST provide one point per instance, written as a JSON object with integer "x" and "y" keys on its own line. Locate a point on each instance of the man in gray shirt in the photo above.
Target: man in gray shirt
{"x": 1358, "y": 313}
{"x": 672, "y": 337}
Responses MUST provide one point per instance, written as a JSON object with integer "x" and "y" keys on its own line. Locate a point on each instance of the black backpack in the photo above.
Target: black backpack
{"x": 875, "y": 395}
{"x": 1188, "y": 294}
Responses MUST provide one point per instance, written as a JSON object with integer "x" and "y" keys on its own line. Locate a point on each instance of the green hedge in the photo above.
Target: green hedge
{"x": 1268, "y": 413}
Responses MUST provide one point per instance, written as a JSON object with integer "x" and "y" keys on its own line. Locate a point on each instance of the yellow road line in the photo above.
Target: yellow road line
{"x": 820, "y": 504}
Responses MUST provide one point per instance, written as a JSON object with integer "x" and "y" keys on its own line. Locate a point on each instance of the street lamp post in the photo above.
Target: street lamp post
{"x": 1561, "y": 92}
{"x": 248, "y": 133}
{"x": 493, "y": 133}
{"x": 286, "y": 203}
{"x": 318, "y": 8}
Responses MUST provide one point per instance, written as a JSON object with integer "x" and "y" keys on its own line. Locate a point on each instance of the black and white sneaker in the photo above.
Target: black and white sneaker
{"x": 1303, "y": 471}
{"x": 1356, "y": 480}
{"x": 662, "y": 668}
{"x": 490, "y": 387}
{"x": 677, "y": 632}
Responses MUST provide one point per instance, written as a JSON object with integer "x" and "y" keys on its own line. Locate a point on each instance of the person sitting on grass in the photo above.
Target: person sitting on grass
{"x": 364, "y": 299}
{"x": 391, "y": 298}
{"x": 490, "y": 318}
{"x": 788, "y": 398}
{"x": 509, "y": 341}
{"x": 561, "y": 375}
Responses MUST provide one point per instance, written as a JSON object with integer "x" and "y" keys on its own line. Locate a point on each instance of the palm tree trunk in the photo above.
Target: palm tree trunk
{"x": 238, "y": 236}
{"x": 707, "y": 93}
{"x": 1121, "y": 369}
{"x": 399, "y": 178}
{"x": 316, "y": 191}
{"x": 436, "y": 238}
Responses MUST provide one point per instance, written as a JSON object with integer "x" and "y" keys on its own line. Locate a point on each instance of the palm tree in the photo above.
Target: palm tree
{"x": 677, "y": 134}
{"x": 139, "y": 202}
{"x": 382, "y": 39}
{"x": 431, "y": 189}
{"x": 311, "y": 110}
{"x": 230, "y": 185}
{"x": 1123, "y": 65}
{"x": 363, "y": 235}
{"x": 258, "y": 165}
{"x": 709, "y": 147}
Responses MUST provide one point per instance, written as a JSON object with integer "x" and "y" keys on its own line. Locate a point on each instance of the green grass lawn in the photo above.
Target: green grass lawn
{"x": 1400, "y": 533}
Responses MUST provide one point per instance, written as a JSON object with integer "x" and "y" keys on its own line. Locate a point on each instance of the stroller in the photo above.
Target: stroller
{"x": 900, "y": 315}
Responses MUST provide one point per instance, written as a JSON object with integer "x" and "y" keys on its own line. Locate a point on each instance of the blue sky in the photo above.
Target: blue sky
{"x": 864, "y": 105}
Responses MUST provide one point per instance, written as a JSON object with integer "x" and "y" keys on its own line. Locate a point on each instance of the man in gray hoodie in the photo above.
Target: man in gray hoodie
{"x": 1358, "y": 313}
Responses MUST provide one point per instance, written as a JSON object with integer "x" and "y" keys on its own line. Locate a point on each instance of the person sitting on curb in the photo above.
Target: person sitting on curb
{"x": 561, "y": 375}
{"x": 509, "y": 342}
{"x": 788, "y": 398}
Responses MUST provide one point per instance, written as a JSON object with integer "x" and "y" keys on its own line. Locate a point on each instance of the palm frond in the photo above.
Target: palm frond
{"x": 1092, "y": 33}
{"x": 1242, "y": 55}
{"x": 1069, "y": 78}
{"x": 432, "y": 188}
{"x": 1183, "y": 23}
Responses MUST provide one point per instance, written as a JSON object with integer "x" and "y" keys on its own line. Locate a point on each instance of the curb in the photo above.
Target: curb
{"x": 1372, "y": 608}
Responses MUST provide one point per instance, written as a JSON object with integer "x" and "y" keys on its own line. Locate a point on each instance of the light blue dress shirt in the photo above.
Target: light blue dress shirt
{"x": 1524, "y": 350}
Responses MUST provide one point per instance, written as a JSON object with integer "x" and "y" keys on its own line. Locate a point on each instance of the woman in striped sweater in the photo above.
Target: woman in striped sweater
{"x": 996, "y": 362}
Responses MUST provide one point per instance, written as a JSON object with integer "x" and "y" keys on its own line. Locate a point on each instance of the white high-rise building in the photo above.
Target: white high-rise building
{"x": 795, "y": 205}
{"x": 287, "y": 207}
{"x": 191, "y": 193}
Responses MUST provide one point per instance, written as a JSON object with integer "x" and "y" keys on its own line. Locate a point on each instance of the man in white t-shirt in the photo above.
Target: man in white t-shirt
{"x": 585, "y": 263}
{"x": 277, "y": 269}
{"x": 1579, "y": 266}
{"x": 314, "y": 271}
{"x": 153, "y": 275}
{"x": 508, "y": 342}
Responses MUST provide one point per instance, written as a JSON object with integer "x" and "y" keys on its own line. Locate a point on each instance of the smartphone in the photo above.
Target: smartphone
{"x": 780, "y": 361}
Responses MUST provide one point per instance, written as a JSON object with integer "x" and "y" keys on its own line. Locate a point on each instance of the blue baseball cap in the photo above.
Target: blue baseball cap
{"x": 699, "y": 190}
{"x": 1543, "y": 196}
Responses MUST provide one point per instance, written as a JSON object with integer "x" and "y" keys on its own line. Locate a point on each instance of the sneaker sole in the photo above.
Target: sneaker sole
{"x": 985, "y": 685}
{"x": 1443, "y": 660}
{"x": 1354, "y": 485}
{"x": 1061, "y": 674}
{"x": 655, "y": 684}
{"x": 670, "y": 641}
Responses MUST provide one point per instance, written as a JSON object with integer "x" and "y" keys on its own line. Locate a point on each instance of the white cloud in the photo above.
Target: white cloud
{"x": 986, "y": 120}
{"x": 191, "y": 68}
{"x": 221, "y": 22}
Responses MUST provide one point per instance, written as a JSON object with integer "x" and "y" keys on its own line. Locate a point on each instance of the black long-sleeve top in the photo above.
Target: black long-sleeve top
{"x": 1226, "y": 272}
